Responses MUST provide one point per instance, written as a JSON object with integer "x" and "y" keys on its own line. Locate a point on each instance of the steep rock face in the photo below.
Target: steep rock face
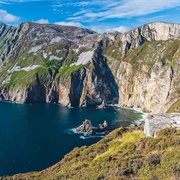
{"x": 78, "y": 67}
{"x": 147, "y": 73}
{"x": 99, "y": 84}
{"x": 89, "y": 86}
{"x": 138, "y": 89}
{"x": 6, "y": 33}
{"x": 158, "y": 31}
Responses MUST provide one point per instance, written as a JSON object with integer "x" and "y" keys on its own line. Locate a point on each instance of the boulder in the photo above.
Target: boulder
{"x": 85, "y": 127}
{"x": 103, "y": 126}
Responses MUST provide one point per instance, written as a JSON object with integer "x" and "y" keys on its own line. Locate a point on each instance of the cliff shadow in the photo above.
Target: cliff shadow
{"x": 106, "y": 84}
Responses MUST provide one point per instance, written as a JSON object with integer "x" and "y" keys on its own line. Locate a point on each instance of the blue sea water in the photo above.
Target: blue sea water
{"x": 36, "y": 136}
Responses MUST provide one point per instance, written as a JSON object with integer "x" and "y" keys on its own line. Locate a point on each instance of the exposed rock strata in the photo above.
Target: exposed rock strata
{"x": 139, "y": 68}
{"x": 154, "y": 123}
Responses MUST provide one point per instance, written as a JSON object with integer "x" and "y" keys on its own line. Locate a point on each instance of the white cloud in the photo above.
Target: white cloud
{"x": 121, "y": 29}
{"x": 42, "y": 21}
{"x": 63, "y": 23}
{"x": 128, "y": 8}
{"x": 19, "y": 1}
{"x": 7, "y": 18}
{"x": 4, "y": 2}
{"x": 67, "y": 4}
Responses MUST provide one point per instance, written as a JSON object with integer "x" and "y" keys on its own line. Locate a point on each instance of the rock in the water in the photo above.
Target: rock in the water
{"x": 103, "y": 105}
{"x": 103, "y": 126}
{"x": 85, "y": 127}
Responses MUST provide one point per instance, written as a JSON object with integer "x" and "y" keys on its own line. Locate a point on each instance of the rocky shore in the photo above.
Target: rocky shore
{"x": 152, "y": 123}
{"x": 156, "y": 122}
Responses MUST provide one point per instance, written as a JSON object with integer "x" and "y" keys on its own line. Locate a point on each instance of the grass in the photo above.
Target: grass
{"x": 118, "y": 144}
{"x": 175, "y": 107}
{"x": 26, "y": 60}
{"x": 113, "y": 50}
{"x": 172, "y": 48}
{"x": 24, "y": 79}
{"x": 123, "y": 154}
{"x": 68, "y": 70}
{"x": 19, "y": 79}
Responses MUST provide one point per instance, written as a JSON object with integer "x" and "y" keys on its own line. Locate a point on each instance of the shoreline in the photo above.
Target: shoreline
{"x": 136, "y": 110}
{"x": 137, "y": 122}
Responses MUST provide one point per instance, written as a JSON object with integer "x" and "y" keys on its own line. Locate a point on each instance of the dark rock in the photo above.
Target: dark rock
{"x": 103, "y": 126}
{"x": 87, "y": 127}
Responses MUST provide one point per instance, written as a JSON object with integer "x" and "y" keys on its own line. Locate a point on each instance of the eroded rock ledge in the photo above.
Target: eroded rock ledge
{"x": 154, "y": 123}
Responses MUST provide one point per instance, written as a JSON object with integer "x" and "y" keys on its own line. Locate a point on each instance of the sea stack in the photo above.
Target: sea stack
{"x": 85, "y": 127}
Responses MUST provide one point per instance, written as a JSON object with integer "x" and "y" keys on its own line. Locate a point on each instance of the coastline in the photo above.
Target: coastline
{"x": 136, "y": 110}
{"x": 152, "y": 123}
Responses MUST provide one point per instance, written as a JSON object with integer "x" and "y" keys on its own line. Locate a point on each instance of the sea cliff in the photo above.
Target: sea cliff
{"x": 78, "y": 67}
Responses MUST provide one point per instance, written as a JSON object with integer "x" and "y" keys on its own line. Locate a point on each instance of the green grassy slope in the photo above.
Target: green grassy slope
{"x": 123, "y": 154}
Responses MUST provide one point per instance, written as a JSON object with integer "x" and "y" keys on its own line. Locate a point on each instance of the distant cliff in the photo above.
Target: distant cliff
{"x": 78, "y": 67}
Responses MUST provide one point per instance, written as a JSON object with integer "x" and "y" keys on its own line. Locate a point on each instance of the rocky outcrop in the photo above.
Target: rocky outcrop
{"x": 154, "y": 123}
{"x": 85, "y": 127}
{"x": 103, "y": 126}
{"x": 157, "y": 31}
{"x": 78, "y": 67}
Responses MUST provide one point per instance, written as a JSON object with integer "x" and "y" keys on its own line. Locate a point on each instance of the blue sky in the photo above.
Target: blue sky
{"x": 99, "y": 15}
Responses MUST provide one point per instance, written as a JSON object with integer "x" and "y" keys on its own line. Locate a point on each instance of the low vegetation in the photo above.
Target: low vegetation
{"x": 175, "y": 107}
{"x": 123, "y": 154}
{"x": 68, "y": 70}
{"x": 25, "y": 79}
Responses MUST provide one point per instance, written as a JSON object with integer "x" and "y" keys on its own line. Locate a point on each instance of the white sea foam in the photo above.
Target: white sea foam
{"x": 90, "y": 137}
{"x": 139, "y": 111}
{"x": 85, "y": 135}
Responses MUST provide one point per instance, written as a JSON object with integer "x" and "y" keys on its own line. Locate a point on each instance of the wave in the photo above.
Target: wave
{"x": 90, "y": 137}
{"x": 85, "y": 135}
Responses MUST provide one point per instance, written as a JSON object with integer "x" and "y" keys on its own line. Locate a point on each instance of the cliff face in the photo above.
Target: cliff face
{"x": 147, "y": 74}
{"x": 78, "y": 67}
{"x": 150, "y": 88}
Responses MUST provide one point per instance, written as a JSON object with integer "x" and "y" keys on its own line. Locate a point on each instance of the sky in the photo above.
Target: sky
{"x": 98, "y": 15}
